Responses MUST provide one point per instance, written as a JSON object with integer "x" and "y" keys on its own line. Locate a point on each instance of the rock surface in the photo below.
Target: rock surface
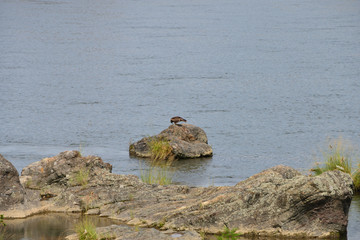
{"x": 62, "y": 170}
{"x": 186, "y": 141}
{"x": 11, "y": 191}
{"x": 276, "y": 202}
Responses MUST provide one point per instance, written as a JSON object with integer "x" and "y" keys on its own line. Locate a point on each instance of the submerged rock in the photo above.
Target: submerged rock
{"x": 11, "y": 191}
{"x": 279, "y": 201}
{"x": 185, "y": 140}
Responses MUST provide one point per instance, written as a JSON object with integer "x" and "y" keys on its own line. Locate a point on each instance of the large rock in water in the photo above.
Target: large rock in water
{"x": 186, "y": 141}
{"x": 278, "y": 202}
{"x": 11, "y": 191}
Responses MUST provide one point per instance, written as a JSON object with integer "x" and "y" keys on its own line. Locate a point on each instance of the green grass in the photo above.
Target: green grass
{"x": 2, "y": 223}
{"x": 160, "y": 148}
{"x": 339, "y": 156}
{"x": 81, "y": 149}
{"x": 356, "y": 178}
{"x": 229, "y": 234}
{"x": 81, "y": 177}
{"x": 86, "y": 230}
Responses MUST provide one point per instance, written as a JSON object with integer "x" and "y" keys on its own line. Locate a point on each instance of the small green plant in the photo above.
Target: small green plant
{"x": 202, "y": 234}
{"x": 160, "y": 148}
{"x": 28, "y": 183}
{"x": 339, "y": 156}
{"x": 87, "y": 201}
{"x": 356, "y": 179}
{"x": 229, "y": 234}
{"x": 162, "y": 222}
{"x": 81, "y": 149}
{"x": 2, "y": 223}
{"x": 131, "y": 197}
{"x": 132, "y": 214}
{"x": 86, "y": 230}
{"x": 81, "y": 177}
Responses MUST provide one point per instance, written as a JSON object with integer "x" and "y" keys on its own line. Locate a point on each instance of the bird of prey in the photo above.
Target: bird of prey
{"x": 177, "y": 119}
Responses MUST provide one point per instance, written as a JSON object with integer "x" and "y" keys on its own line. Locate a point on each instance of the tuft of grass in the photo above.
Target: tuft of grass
{"x": 160, "y": 148}
{"x": 28, "y": 183}
{"x": 86, "y": 230}
{"x": 162, "y": 222}
{"x": 229, "y": 234}
{"x": 86, "y": 201}
{"x": 2, "y": 223}
{"x": 202, "y": 234}
{"x": 81, "y": 149}
{"x": 339, "y": 156}
{"x": 356, "y": 178}
{"x": 81, "y": 177}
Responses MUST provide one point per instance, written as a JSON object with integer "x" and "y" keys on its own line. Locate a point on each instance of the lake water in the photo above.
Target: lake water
{"x": 270, "y": 81}
{"x": 54, "y": 226}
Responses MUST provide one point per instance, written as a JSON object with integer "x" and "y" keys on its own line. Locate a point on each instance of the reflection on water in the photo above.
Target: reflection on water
{"x": 54, "y": 226}
{"x": 194, "y": 173}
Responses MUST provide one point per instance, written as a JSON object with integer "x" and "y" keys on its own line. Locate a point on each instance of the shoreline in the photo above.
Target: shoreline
{"x": 273, "y": 203}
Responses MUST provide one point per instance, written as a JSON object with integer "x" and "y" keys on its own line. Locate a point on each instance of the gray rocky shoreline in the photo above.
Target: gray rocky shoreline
{"x": 279, "y": 201}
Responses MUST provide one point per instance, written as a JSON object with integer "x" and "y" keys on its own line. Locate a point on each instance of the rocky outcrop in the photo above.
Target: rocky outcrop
{"x": 62, "y": 169}
{"x": 282, "y": 200}
{"x": 11, "y": 191}
{"x": 276, "y": 202}
{"x": 186, "y": 141}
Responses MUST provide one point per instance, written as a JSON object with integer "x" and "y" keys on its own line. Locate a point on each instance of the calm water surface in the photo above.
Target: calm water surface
{"x": 269, "y": 81}
{"x": 54, "y": 226}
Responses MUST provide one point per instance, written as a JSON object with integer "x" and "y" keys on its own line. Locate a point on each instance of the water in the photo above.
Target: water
{"x": 54, "y": 226}
{"x": 269, "y": 81}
